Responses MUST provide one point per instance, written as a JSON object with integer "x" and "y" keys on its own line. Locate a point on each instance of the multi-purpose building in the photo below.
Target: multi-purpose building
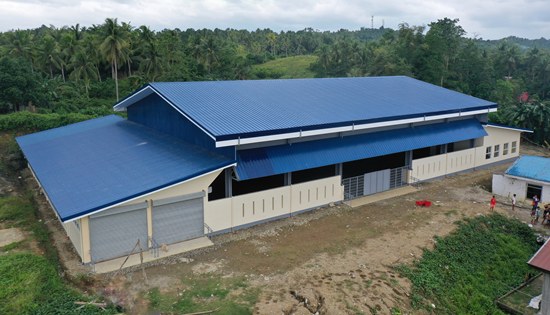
{"x": 207, "y": 157}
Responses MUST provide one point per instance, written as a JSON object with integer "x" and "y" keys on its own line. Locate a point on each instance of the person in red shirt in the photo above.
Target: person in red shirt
{"x": 493, "y": 203}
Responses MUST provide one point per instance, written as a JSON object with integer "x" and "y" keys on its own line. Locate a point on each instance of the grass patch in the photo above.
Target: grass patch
{"x": 21, "y": 211}
{"x": 286, "y": 68}
{"x": 17, "y": 211}
{"x": 229, "y": 296}
{"x": 30, "y": 285}
{"x": 469, "y": 269}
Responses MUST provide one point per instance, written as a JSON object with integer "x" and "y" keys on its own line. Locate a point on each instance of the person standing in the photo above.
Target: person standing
{"x": 513, "y": 202}
{"x": 535, "y": 202}
{"x": 493, "y": 203}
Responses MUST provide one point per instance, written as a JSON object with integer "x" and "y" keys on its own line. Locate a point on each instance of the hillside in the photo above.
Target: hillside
{"x": 286, "y": 68}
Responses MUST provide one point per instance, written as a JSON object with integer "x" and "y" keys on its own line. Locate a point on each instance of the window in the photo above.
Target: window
{"x": 533, "y": 190}
{"x": 505, "y": 149}
{"x": 488, "y": 153}
{"x": 514, "y": 146}
{"x": 497, "y": 149}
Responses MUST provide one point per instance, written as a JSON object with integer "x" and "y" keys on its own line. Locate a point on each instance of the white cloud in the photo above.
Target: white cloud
{"x": 489, "y": 19}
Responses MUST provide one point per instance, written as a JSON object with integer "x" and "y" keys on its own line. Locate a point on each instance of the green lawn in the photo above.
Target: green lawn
{"x": 286, "y": 68}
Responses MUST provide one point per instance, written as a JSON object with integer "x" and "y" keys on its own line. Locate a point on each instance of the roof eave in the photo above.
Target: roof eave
{"x": 134, "y": 97}
{"x": 119, "y": 202}
{"x": 508, "y": 128}
{"x": 238, "y": 140}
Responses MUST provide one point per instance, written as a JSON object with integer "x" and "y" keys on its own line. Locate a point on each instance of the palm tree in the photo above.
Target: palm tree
{"x": 51, "y": 56}
{"x": 534, "y": 115}
{"x": 83, "y": 69}
{"x": 113, "y": 47}
{"x": 20, "y": 45}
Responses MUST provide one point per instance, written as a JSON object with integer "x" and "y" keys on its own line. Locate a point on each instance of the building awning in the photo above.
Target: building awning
{"x": 266, "y": 161}
{"x": 89, "y": 166}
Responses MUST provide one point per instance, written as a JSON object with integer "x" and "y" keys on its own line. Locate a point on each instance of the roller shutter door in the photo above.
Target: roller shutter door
{"x": 178, "y": 219}
{"x": 114, "y": 233}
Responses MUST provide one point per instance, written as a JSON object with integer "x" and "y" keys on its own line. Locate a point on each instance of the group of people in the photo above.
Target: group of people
{"x": 535, "y": 210}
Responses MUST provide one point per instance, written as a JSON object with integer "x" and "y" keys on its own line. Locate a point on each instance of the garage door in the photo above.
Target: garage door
{"x": 178, "y": 219}
{"x": 114, "y": 233}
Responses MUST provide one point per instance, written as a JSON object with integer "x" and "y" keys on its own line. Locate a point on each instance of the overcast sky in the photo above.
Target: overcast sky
{"x": 488, "y": 19}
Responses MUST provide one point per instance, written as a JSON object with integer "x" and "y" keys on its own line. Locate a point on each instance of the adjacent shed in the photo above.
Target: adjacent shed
{"x": 528, "y": 176}
{"x": 541, "y": 261}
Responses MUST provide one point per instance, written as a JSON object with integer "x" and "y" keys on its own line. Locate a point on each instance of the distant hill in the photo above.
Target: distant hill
{"x": 285, "y": 68}
{"x": 522, "y": 42}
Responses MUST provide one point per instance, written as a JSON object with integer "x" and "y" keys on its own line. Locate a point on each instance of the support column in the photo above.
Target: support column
{"x": 339, "y": 168}
{"x": 409, "y": 159}
{"x": 228, "y": 182}
{"x": 149, "y": 223}
{"x": 288, "y": 179}
{"x": 85, "y": 234}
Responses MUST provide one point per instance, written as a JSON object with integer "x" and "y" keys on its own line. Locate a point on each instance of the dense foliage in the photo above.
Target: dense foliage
{"x": 82, "y": 69}
{"x": 483, "y": 259}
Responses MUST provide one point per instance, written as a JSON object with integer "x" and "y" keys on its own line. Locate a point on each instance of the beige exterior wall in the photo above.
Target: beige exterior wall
{"x": 443, "y": 164}
{"x": 193, "y": 186}
{"x": 430, "y": 167}
{"x": 497, "y": 137}
{"x": 73, "y": 231}
{"x": 316, "y": 193}
{"x": 246, "y": 209}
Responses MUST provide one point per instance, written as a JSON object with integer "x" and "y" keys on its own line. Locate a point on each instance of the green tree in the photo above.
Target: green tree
{"x": 533, "y": 115}
{"x": 19, "y": 86}
{"x": 443, "y": 40}
{"x": 113, "y": 47}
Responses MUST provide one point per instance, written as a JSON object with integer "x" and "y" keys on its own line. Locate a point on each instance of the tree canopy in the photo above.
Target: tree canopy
{"x": 86, "y": 69}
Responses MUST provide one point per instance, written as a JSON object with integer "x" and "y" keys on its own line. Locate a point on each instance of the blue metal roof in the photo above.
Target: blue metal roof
{"x": 101, "y": 162}
{"x": 533, "y": 167}
{"x": 260, "y": 162}
{"x": 232, "y": 109}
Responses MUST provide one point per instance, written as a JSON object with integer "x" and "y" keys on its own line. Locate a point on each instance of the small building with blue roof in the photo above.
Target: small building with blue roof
{"x": 196, "y": 158}
{"x": 527, "y": 177}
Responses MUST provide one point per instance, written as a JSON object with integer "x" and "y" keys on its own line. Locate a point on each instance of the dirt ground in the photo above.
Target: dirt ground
{"x": 344, "y": 255}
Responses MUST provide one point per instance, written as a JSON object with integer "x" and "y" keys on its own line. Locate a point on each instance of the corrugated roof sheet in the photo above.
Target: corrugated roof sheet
{"x": 91, "y": 165}
{"x": 533, "y": 167}
{"x": 491, "y": 124}
{"x": 259, "y": 162}
{"x": 231, "y": 109}
{"x": 541, "y": 259}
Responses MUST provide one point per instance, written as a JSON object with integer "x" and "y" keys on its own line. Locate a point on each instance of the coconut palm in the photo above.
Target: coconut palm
{"x": 83, "y": 69}
{"x": 113, "y": 47}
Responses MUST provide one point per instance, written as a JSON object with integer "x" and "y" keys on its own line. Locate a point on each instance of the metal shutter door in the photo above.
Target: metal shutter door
{"x": 116, "y": 234}
{"x": 178, "y": 221}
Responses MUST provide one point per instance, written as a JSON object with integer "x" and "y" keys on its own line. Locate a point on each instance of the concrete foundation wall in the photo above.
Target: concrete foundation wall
{"x": 228, "y": 213}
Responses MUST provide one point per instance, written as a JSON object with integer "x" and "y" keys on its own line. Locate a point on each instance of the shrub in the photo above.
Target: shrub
{"x": 27, "y": 121}
{"x": 469, "y": 269}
